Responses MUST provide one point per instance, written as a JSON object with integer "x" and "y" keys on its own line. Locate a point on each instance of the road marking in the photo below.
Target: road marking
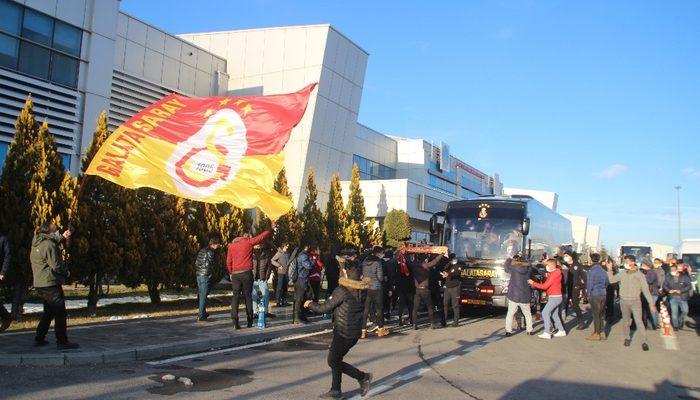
{"x": 445, "y": 360}
{"x": 233, "y": 349}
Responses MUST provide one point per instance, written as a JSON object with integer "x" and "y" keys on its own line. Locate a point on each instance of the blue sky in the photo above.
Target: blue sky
{"x": 598, "y": 101}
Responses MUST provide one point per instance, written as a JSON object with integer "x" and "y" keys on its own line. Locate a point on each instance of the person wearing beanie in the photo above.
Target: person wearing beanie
{"x": 347, "y": 304}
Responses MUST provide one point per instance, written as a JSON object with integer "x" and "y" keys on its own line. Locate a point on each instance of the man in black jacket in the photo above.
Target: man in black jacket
{"x": 453, "y": 287}
{"x": 204, "y": 265}
{"x": 372, "y": 269}
{"x": 347, "y": 303}
{"x": 519, "y": 293}
{"x": 5, "y": 317}
{"x": 576, "y": 284}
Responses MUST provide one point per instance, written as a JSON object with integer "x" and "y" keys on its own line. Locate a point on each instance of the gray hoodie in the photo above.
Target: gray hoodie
{"x": 632, "y": 284}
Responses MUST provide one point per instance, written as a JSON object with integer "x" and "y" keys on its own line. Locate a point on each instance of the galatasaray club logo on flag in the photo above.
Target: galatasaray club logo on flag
{"x": 210, "y": 149}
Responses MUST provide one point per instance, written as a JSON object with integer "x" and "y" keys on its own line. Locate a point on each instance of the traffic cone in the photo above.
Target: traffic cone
{"x": 665, "y": 320}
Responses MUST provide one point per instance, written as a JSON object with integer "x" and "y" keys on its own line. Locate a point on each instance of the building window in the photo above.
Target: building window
{"x": 442, "y": 184}
{"x": 66, "y": 161}
{"x": 10, "y": 16}
{"x": 3, "y": 154}
{"x": 370, "y": 170}
{"x": 37, "y": 27}
{"x": 9, "y": 47}
{"x": 39, "y": 45}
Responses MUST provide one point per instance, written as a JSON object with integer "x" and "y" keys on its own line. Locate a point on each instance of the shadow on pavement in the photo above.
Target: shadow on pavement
{"x": 536, "y": 389}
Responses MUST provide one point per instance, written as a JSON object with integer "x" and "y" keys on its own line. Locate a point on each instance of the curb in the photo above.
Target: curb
{"x": 152, "y": 352}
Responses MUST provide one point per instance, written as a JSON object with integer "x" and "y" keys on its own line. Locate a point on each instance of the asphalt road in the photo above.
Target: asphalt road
{"x": 473, "y": 361}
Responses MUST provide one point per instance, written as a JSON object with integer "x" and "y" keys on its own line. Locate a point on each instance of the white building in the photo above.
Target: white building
{"x": 78, "y": 58}
{"x": 593, "y": 237}
{"x": 579, "y": 228}
{"x": 549, "y": 199}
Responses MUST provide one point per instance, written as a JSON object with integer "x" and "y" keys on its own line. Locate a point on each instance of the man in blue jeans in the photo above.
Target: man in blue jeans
{"x": 678, "y": 287}
{"x": 204, "y": 265}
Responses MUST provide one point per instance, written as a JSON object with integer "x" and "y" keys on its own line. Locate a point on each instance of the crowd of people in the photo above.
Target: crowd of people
{"x": 366, "y": 289}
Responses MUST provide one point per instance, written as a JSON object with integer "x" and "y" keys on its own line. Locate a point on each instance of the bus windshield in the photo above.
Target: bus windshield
{"x": 639, "y": 252}
{"x": 493, "y": 233}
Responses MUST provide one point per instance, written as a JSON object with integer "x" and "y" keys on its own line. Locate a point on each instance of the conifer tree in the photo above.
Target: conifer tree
{"x": 104, "y": 237}
{"x": 397, "y": 226}
{"x": 376, "y": 233}
{"x": 311, "y": 217}
{"x": 356, "y": 231}
{"x": 334, "y": 217}
{"x": 15, "y": 212}
{"x": 46, "y": 179}
{"x": 287, "y": 230}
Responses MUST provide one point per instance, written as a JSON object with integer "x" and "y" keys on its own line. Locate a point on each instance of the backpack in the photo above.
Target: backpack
{"x": 292, "y": 272}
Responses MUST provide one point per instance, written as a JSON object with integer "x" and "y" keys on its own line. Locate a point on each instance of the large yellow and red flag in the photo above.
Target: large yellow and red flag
{"x": 210, "y": 149}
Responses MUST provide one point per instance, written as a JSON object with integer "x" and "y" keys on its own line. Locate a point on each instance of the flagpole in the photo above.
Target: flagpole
{"x": 74, "y": 203}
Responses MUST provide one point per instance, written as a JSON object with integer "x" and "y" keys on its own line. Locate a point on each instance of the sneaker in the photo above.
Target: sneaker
{"x": 593, "y": 336}
{"x": 382, "y": 332}
{"x": 560, "y": 334}
{"x": 544, "y": 335}
{"x": 645, "y": 347}
{"x": 67, "y": 346}
{"x": 363, "y": 334}
{"x": 530, "y": 333}
{"x": 364, "y": 384}
{"x": 603, "y": 336}
{"x": 332, "y": 394}
{"x": 508, "y": 334}
{"x": 628, "y": 342}
{"x": 373, "y": 328}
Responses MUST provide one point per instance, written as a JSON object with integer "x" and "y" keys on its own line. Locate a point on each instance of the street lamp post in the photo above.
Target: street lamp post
{"x": 678, "y": 211}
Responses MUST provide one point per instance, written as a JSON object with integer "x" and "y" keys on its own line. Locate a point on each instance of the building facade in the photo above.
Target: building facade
{"x": 81, "y": 57}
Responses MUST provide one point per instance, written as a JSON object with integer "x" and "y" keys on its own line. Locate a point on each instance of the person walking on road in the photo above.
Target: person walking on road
{"x": 553, "y": 286}
{"x": 204, "y": 266}
{"x": 632, "y": 285}
{"x": 372, "y": 270}
{"x": 453, "y": 288}
{"x": 303, "y": 267}
{"x": 49, "y": 274}
{"x": 576, "y": 284}
{"x": 596, "y": 291}
{"x": 611, "y": 293}
{"x": 519, "y": 294}
{"x": 678, "y": 287}
{"x": 347, "y": 302}
{"x": 239, "y": 263}
{"x": 5, "y": 316}
{"x": 262, "y": 270}
{"x": 420, "y": 268}
{"x": 405, "y": 286}
{"x": 281, "y": 263}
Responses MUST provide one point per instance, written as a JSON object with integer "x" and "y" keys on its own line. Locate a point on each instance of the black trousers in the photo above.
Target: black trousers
{"x": 375, "y": 297}
{"x": 598, "y": 312}
{"x": 242, "y": 284}
{"x": 339, "y": 348}
{"x": 54, "y": 310}
{"x": 422, "y": 296}
{"x": 406, "y": 301}
{"x": 451, "y": 295}
{"x": 576, "y": 303}
{"x": 299, "y": 297}
{"x": 610, "y": 302}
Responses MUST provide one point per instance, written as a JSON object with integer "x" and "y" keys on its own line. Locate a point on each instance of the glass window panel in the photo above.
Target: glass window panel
{"x": 66, "y": 161}
{"x": 34, "y": 60}
{"x": 8, "y": 51}
{"x": 37, "y": 27}
{"x": 3, "y": 154}
{"x": 10, "y": 14}
{"x": 375, "y": 169}
{"x": 64, "y": 70}
{"x": 364, "y": 175}
{"x": 67, "y": 39}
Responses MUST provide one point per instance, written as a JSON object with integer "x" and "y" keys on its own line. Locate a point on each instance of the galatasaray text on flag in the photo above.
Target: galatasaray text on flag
{"x": 210, "y": 149}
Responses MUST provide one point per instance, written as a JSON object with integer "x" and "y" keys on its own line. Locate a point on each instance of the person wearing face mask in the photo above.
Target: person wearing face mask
{"x": 49, "y": 274}
{"x": 552, "y": 285}
{"x": 678, "y": 287}
{"x": 653, "y": 282}
{"x": 577, "y": 282}
{"x": 632, "y": 284}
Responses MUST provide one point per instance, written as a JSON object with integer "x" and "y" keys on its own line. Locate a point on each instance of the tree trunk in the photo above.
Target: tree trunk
{"x": 93, "y": 295}
{"x": 154, "y": 293}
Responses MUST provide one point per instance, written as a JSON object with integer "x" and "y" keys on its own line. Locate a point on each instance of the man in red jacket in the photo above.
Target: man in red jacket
{"x": 239, "y": 263}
